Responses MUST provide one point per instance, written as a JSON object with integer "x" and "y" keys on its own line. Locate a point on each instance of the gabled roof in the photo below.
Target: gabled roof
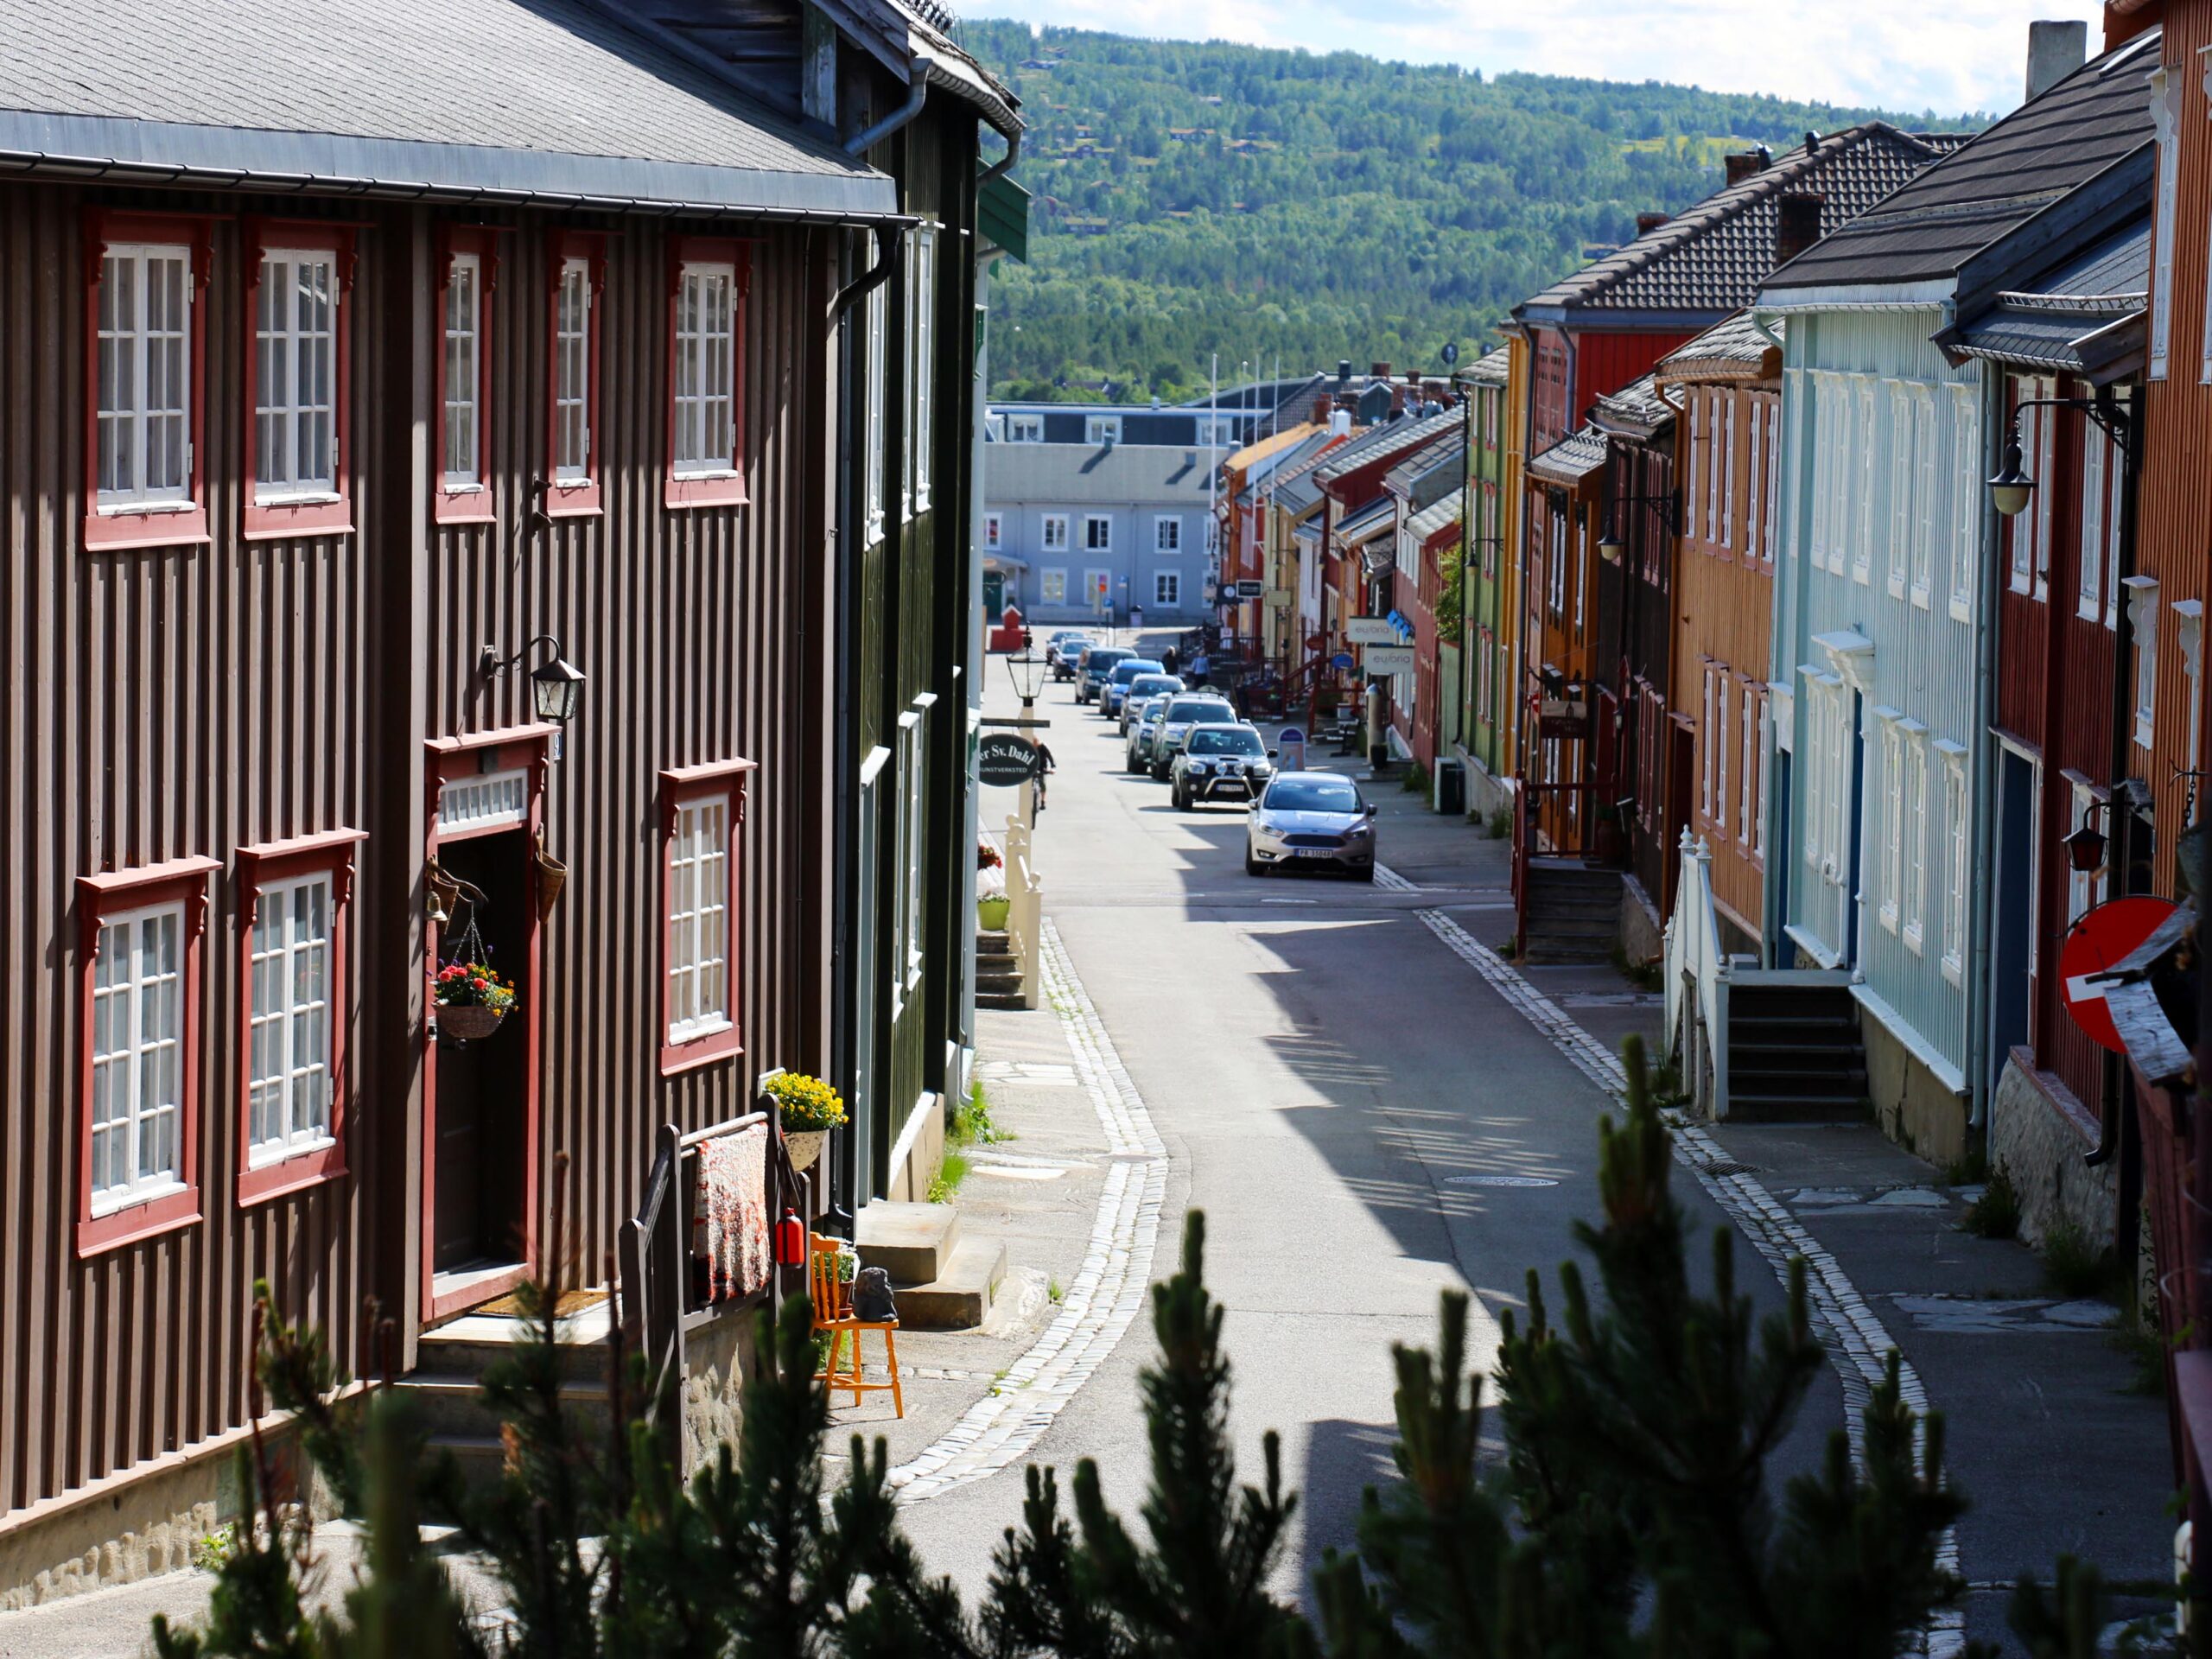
{"x": 1433, "y": 520}
{"x": 1293, "y": 486}
{"x": 1635, "y": 410}
{"x": 2046, "y": 324}
{"x": 1735, "y": 350}
{"x": 1380, "y": 442}
{"x": 1488, "y": 370}
{"x": 2094, "y": 119}
{"x": 1365, "y": 523}
{"x": 394, "y": 98}
{"x": 1450, "y": 451}
{"x": 1710, "y": 259}
{"x": 1572, "y": 459}
{"x": 1119, "y": 475}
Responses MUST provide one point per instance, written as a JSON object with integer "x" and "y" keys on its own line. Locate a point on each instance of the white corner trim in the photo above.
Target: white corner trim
{"x": 1915, "y": 1045}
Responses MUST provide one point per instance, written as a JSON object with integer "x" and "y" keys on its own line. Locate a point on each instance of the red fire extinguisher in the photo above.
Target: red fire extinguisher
{"x": 790, "y": 1239}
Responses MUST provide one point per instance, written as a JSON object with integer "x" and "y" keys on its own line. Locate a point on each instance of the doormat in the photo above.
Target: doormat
{"x": 572, "y": 1303}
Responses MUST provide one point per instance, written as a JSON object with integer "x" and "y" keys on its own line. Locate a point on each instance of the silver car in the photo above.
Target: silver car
{"x": 1191, "y": 709}
{"x": 1138, "y": 749}
{"x": 1142, "y": 689}
{"x": 1311, "y": 818}
{"x": 1220, "y": 763}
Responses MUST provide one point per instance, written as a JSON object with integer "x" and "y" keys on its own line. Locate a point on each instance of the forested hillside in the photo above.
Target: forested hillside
{"x": 1193, "y": 198}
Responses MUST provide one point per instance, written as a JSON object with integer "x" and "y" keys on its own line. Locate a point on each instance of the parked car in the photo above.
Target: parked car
{"x": 1116, "y": 687}
{"x": 1311, "y": 818}
{"x": 1062, "y": 650}
{"x": 1219, "y": 763}
{"x": 1142, "y": 689}
{"x": 1191, "y": 709}
{"x": 1143, "y": 729}
{"x": 1096, "y": 664}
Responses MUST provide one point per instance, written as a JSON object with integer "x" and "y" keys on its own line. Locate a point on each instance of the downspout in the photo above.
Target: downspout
{"x": 1004, "y": 165}
{"x": 2118, "y": 1096}
{"x": 1984, "y": 760}
{"x": 918, "y": 91}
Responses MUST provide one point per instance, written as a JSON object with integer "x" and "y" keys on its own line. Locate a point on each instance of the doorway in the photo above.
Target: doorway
{"x": 994, "y": 596}
{"x": 480, "y": 1217}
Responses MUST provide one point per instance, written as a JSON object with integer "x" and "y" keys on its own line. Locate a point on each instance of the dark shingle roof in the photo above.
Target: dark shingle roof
{"x": 2039, "y": 326}
{"x": 1636, "y": 407}
{"x": 1736, "y": 345}
{"x": 1572, "y": 459}
{"x": 1407, "y": 477}
{"x": 502, "y": 98}
{"x": 2096, "y": 116}
{"x": 1394, "y": 438}
{"x": 1711, "y": 257}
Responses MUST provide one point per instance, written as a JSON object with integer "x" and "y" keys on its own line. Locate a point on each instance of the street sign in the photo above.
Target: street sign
{"x": 1370, "y": 631}
{"x": 2103, "y": 936}
{"x": 1004, "y": 759}
{"x": 1278, "y": 599}
{"x": 1387, "y": 659}
{"x": 1562, "y": 717}
{"x": 1290, "y": 748}
{"x": 1341, "y": 660}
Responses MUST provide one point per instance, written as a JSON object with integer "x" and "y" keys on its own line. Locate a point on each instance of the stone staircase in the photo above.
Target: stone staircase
{"x": 942, "y": 1281}
{"x": 446, "y": 1387}
{"x": 998, "y": 972}
{"x": 1571, "y": 912}
{"x": 1794, "y": 1052}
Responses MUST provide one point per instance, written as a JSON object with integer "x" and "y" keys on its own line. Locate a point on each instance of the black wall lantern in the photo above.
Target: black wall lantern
{"x": 1609, "y": 537}
{"x": 2085, "y": 847}
{"x": 554, "y": 684}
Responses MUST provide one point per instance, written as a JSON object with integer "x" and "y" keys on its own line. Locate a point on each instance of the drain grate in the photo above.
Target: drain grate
{"x": 1499, "y": 1180}
{"x": 1723, "y": 1167}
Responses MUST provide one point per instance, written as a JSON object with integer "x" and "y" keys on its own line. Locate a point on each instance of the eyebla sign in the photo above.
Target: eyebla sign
{"x": 1387, "y": 659}
{"x": 1004, "y": 759}
{"x": 1370, "y": 631}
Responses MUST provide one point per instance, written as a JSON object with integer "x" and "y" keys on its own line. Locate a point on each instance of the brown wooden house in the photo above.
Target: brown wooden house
{"x": 340, "y": 409}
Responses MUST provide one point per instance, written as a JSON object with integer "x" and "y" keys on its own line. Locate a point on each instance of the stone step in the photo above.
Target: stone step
{"x": 467, "y": 1345}
{"x": 910, "y": 1241}
{"x": 1559, "y": 952}
{"x": 994, "y": 978}
{"x": 454, "y": 1404}
{"x": 993, "y": 946}
{"x": 960, "y": 1295}
{"x": 1011, "y": 1000}
{"x": 1773, "y": 1031}
{"x": 1805, "y": 1107}
{"x": 1779, "y": 1081}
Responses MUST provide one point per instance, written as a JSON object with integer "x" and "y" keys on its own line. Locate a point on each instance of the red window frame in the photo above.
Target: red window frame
{"x": 722, "y": 489}
{"x": 475, "y": 505}
{"x": 260, "y": 868}
{"x": 98, "y": 897}
{"x": 126, "y": 528}
{"x": 574, "y": 498}
{"x": 279, "y": 519}
{"x": 679, "y": 787}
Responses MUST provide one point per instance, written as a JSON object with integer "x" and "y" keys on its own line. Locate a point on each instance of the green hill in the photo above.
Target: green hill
{"x": 1201, "y": 198}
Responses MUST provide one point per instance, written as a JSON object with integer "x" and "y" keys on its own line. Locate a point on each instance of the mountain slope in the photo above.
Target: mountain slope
{"x": 1200, "y": 198}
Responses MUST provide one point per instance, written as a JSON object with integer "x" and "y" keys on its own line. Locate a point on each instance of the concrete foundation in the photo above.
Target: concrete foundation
{"x": 2039, "y": 1133}
{"x": 717, "y": 1358}
{"x": 1643, "y": 936}
{"x": 130, "y": 1527}
{"x": 1916, "y": 1108}
{"x": 918, "y": 1153}
{"x": 1487, "y": 791}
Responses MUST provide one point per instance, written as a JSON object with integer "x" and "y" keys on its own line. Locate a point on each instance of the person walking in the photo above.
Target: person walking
{"x": 1044, "y": 770}
{"x": 1198, "y": 666}
{"x": 1168, "y": 660}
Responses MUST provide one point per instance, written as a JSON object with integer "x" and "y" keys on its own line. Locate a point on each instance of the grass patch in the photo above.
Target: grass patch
{"x": 971, "y": 1122}
{"x": 950, "y": 1174}
{"x": 1996, "y": 1213}
{"x": 2145, "y": 1350}
{"x": 1969, "y": 1171}
{"x": 1644, "y": 975}
{"x": 1416, "y": 782}
{"x": 1054, "y": 1291}
{"x": 1509, "y": 949}
{"x": 1501, "y": 824}
{"x": 2074, "y": 1265}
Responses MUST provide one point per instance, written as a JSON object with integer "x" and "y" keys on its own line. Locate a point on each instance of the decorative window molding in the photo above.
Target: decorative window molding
{"x": 875, "y": 370}
{"x": 708, "y": 278}
{"x": 1889, "y": 906}
{"x": 1720, "y": 748}
{"x": 299, "y": 286}
{"x": 1693, "y": 495}
{"x": 469, "y": 275}
{"x": 1755, "y": 541}
{"x": 702, "y": 811}
{"x": 2165, "y": 119}
{"x": 1923, "y": 524}
{"x": 1956, "y": 828}
{"x": 912, "y": 783}
{"x": 2143, "y": 619}
{"x": 1900, "y": 487}
{"x": 1052, "y": 588}
{"x": 1167, "y": 533}
{"x": 145, "y": 362}
{"x": 1773, "y": 524}
{"x": 1863, "y": 509}
{"x": 1966, "y": 503}
{"x": 575, "y": 277}
{"x": 921, "y": 356}
{"x": 1915, "y": 834}
{"x": 1727, "y": 434}
{"x": 295, "y": 910}
{"x": 2188, "y": 635}
{"x": 139, "y": 934}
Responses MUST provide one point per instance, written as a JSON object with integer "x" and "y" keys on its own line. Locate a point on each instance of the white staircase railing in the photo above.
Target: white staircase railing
{"x": 1697, "y": 984}
{"x": 1025, "y": 909}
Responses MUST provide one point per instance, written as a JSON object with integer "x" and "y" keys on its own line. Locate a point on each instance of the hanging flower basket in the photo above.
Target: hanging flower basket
{"x": 466, "y": 1021}
{"x": 805, "y": 1146}
{"x": 472, "y": 998}
{"x": 808, "y": 1108}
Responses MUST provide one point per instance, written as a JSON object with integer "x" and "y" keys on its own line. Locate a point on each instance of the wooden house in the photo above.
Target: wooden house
{"x": 1489, "y": 678}
{"x": 1710, "y": 765}
{"x": 1425, "y": 490}
{"x": 1888, "y": 783}
{"x": 341, "y": 444}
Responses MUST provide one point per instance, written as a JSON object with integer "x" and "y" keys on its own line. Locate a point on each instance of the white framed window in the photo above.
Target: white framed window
{"x": 2115, "y": 508}
{"x": 1101, "y": 429}
{"x": 1955, "y": 827}
{"x": 877, "y": 370}
{"x": 572, "y": 307}
{"x": 1555, "y": 574}
{"x": 296, "y": 377}
{"x": 1097, "y": 533}
{"x": 698, "y": 919}
{"x": 907, "y": 953}
{"x": 2165, "y": 117}
{"x": 994, "y": 529}
{"x": 1167, "y": 588}
{"x": 1773, "y": 477}
{"x": 1864, "y": 510}
{"x": 1167, "y": 533}
{"x": 1900, "y": 485}
{"x": 1693, "y": 495}
{"x": 2143, "y": 619}
{"x": 1923, "y": 488}
{"x": 1816, "y": 724}
{"x": 1024, "y": 429}
{"x": 1915, "y": 833}
{"x": 2189, "y": 635}
{"x": 1822, "y": 422}
{"x": 1747, "y": 772}
{"x": 1706, "y": 741}
{"x": 706, "y": 369}
{"x": 1720, "y": 748}
{"x": 1053, "y": 587}
{"x": 1841, "y": 749}
{"x": 1893, "y": 819}
{"x": 1966, "y": 502}
{"x": 290, "y": 1020}
{"x": 2046, "y": 466}
{"x": 1054, "y": 536}
{"x": 1727, "y": 470}
{"x": 462, "y": 468}
{"x": 144, "y": 416}
{"x": 137, "y": 1057}
{"x": 2090, "y": 582}
{"x": 921, "y": 342}
{"x": 1754, "y": 514}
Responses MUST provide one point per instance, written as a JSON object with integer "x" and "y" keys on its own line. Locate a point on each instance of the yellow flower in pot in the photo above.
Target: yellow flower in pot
{"x": 810, "y": 1109}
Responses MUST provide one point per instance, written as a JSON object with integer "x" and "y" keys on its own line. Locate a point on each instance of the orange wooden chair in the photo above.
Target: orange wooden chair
{"x": 833, "y": 1311}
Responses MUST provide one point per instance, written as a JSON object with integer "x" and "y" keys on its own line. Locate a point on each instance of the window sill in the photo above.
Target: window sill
{"x": 321, "y": 514}
{"x": 118, "y": 529}
{"x": 463, "y": 503}
{"x": 686, "y": 490}
{"x": 148, "y": 1219}
{"x": 308, "y": 1166}
{"x": 693, "y": 1053}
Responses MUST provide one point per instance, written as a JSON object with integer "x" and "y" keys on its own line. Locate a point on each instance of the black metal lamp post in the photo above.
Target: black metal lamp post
{"x": 2010, "y": 490}
{"x": 1610, "y": 541}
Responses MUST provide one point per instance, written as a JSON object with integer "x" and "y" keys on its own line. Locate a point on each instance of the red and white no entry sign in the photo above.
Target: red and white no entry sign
{"x": 2101, "y": 938}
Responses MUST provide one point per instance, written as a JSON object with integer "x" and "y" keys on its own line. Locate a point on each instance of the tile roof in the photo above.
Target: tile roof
{"x": 1572, "y": 459}
{"x": 1393, "y": 437}
{"x": 1368, "y": 522}
{"x": 1637, "y": 406}
{"x": 1725, "y": 349}
{"x": 2039, "y": 326}
{"x": 513, "y": 98}
{"x": 2096, "y": 116}
{"x": 1434, "y": 519}
{"x": 1296, "y": 490}
{"x": 1488, "y": 370}
{"x": 1713, "y": 256}
{"x": 1110, "y": 475}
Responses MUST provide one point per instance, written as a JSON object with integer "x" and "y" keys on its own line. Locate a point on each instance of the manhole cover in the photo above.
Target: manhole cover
{"x": 1499, "y": 1180}
{"x": 1723, "y": 1167}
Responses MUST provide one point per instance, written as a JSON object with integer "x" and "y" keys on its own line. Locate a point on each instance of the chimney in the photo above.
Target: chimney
{"x": 2055, "y": 49}
{"x": 1340, "y": 423}
{"x": 1324, "y": 406}
{"x": 1796, "y": 226}
{"x": 1812, "y": 144}
{"x": 1397, "y": 400}
{"x": 1743, "y": 163}
{"x": 1378, "y": 371}
{"x": 1647, "y": 223}
{"x": 1344, "y": 372}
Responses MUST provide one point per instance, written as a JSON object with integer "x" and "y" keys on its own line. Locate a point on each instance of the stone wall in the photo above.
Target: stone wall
{"x": 1487, "y": 791}
{"x": 717, "y": 1358}
{"x": 2039, "y": 1133}
{"x": 138, "y": 1525}
{"x": 1642, "y": 937}
{"x": 1914, "y": 1108}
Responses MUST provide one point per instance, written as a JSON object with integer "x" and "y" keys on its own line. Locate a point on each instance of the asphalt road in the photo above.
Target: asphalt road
{"x": 1323, "y": 1072}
